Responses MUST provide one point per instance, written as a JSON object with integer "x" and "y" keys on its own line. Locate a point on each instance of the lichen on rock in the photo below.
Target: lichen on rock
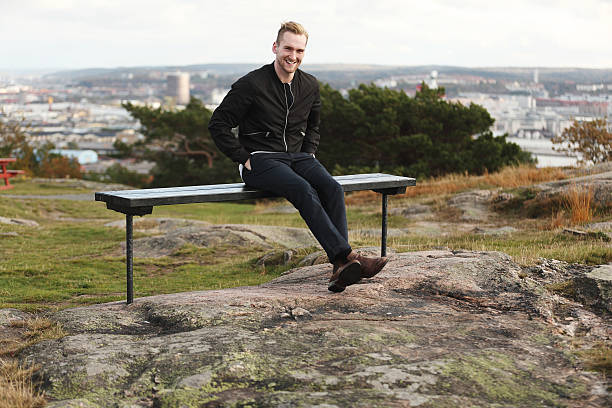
{"x": 433, "y": 329}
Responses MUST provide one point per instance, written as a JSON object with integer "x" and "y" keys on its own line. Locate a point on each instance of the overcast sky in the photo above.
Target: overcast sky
{"x": 41, "y": 34}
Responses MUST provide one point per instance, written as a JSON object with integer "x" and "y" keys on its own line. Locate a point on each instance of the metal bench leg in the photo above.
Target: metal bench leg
{"x": 129, "y": 257}
{"x": 383, "y": 239}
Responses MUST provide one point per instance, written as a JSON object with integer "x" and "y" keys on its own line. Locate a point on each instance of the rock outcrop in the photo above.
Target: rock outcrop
{"x": 434, "y": 329}
{"x": 18, "y": 221}
{"x": 600, "y": 185}
{"x": 170, "y": 234}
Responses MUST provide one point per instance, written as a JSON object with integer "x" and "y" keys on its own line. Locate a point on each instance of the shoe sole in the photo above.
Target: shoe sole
{"x": 350, "y": 275}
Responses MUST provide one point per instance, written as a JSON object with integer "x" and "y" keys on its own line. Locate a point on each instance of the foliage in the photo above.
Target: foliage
{"x": 123, "y": 149}
{"x": 35, "y": 162}
{"x": 373, "y": 130}
{"x": 58, "y": 166}
{"x": 14, "y": 143}
{"x": 179, "y": 143}
{"x": 591, "y": 140}
{"x": 120, "y": 175}
{"x": 422, "y": 136}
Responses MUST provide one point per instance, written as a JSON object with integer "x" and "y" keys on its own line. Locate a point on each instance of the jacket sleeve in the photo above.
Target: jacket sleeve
{"x": 227, "y": 116}
{"x": 312, "y": 136}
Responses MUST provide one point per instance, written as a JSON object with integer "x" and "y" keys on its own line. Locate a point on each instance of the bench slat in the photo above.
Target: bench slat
{"x": 234, "y": 191}
{"x": 153, "y": 191}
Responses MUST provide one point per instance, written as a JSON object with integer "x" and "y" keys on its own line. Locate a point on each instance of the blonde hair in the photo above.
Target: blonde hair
{"x": 292, "y": 27}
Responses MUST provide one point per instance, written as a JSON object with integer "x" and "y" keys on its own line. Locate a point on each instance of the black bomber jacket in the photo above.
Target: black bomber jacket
{"x": 258, "y": 106}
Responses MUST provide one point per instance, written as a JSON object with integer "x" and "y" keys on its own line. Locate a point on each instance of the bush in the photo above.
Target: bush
{"x": 57, "y": 166}
{"x": 121, "y": 175}
{"x": 423, "y": 136}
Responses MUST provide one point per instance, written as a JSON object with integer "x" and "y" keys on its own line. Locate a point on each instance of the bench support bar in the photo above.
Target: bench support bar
{"x": 129, "y": 256}
{"x": 383, "y": 237}
{"x": 129, "y": 242}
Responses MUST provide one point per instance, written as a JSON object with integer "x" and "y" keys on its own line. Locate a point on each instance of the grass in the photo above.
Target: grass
{"x": 16, "y": 387}
{"x": 578, "y": 201}
{"x": 30, "y": 331}
{"x": 599, "y": 358}
{"x": 25, "y": 186}
{"x": 73, "y": 259}
{"x": 508, "y": 177}
{"x": 525, "y": 247}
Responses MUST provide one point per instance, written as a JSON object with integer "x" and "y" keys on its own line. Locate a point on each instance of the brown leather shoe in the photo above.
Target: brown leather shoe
{"x": 370, "y": 266}
{"x": 344, "y": 274}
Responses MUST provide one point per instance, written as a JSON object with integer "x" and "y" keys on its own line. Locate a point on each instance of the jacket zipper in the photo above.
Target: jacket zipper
{"x": 287, "y": 114}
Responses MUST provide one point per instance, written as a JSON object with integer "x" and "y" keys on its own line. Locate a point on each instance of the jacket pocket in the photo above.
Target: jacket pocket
{"x": 263, "y": 134}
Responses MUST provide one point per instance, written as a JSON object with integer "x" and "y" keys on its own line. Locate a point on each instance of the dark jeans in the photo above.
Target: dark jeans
{"x": 301, "y": 179}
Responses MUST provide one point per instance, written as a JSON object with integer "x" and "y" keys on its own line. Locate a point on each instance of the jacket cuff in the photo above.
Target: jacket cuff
{"x": 308, "y": 148}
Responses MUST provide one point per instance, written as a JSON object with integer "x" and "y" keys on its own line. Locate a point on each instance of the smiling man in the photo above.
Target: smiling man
{"x": 277, "y": 109}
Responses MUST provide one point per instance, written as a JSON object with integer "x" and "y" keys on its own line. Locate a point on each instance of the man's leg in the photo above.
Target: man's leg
{"x": 332, "y": 198}
{"x": 272, "y": 172}
{"x": 330, "y": 192}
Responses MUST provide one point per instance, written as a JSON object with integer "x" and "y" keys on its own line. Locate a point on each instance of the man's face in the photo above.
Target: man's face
{"x": 289, "y": 51}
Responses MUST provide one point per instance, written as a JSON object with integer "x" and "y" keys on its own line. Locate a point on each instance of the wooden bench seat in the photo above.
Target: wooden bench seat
{"x": 141, "y": 202}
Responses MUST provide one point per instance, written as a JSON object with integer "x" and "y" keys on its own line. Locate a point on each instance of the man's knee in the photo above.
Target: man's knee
{"x": 302, "y": 194}
{"x": 332, "y": 189}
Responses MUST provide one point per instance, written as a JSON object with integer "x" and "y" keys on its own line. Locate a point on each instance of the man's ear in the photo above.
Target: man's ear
{"x": 274, "y": 47}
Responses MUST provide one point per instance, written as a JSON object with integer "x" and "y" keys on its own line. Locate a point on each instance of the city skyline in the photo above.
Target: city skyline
{"x": 68, "y": 34}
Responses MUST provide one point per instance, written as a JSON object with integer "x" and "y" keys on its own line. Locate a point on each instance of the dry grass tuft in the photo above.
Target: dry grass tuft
{"x": 557, "y": 220}
{"x": 599, "y": 358}
{"x": 362, "y": 197}
{"x": 508, "y": 177}
{"x": 448, "y": 184}
{"x": 518, "y": 176}
{"x": 16, "y": 388}
{"x": 36, "y": 330}
{"x": 578, "y": 201}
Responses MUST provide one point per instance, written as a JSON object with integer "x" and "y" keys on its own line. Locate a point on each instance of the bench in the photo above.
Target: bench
{"x": 7, "y": 174}
{"x": 141, "y": 202}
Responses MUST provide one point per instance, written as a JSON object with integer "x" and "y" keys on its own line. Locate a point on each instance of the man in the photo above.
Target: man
{"x": 277, "y": 109}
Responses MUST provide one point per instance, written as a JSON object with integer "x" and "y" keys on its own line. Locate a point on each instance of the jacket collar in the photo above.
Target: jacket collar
{"x": 273, "y": 72}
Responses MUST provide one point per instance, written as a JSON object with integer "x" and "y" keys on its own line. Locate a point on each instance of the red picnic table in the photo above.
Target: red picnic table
{"x": 7, "y": 174}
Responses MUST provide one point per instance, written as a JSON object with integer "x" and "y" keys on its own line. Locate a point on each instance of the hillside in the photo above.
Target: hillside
{"x": 496, "y": 293}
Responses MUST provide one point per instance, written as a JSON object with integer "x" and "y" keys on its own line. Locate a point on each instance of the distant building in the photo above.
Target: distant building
{"x": 82, "y": 156}
{"x": 432, "y": 82}
{"x": 178, "y": 87}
